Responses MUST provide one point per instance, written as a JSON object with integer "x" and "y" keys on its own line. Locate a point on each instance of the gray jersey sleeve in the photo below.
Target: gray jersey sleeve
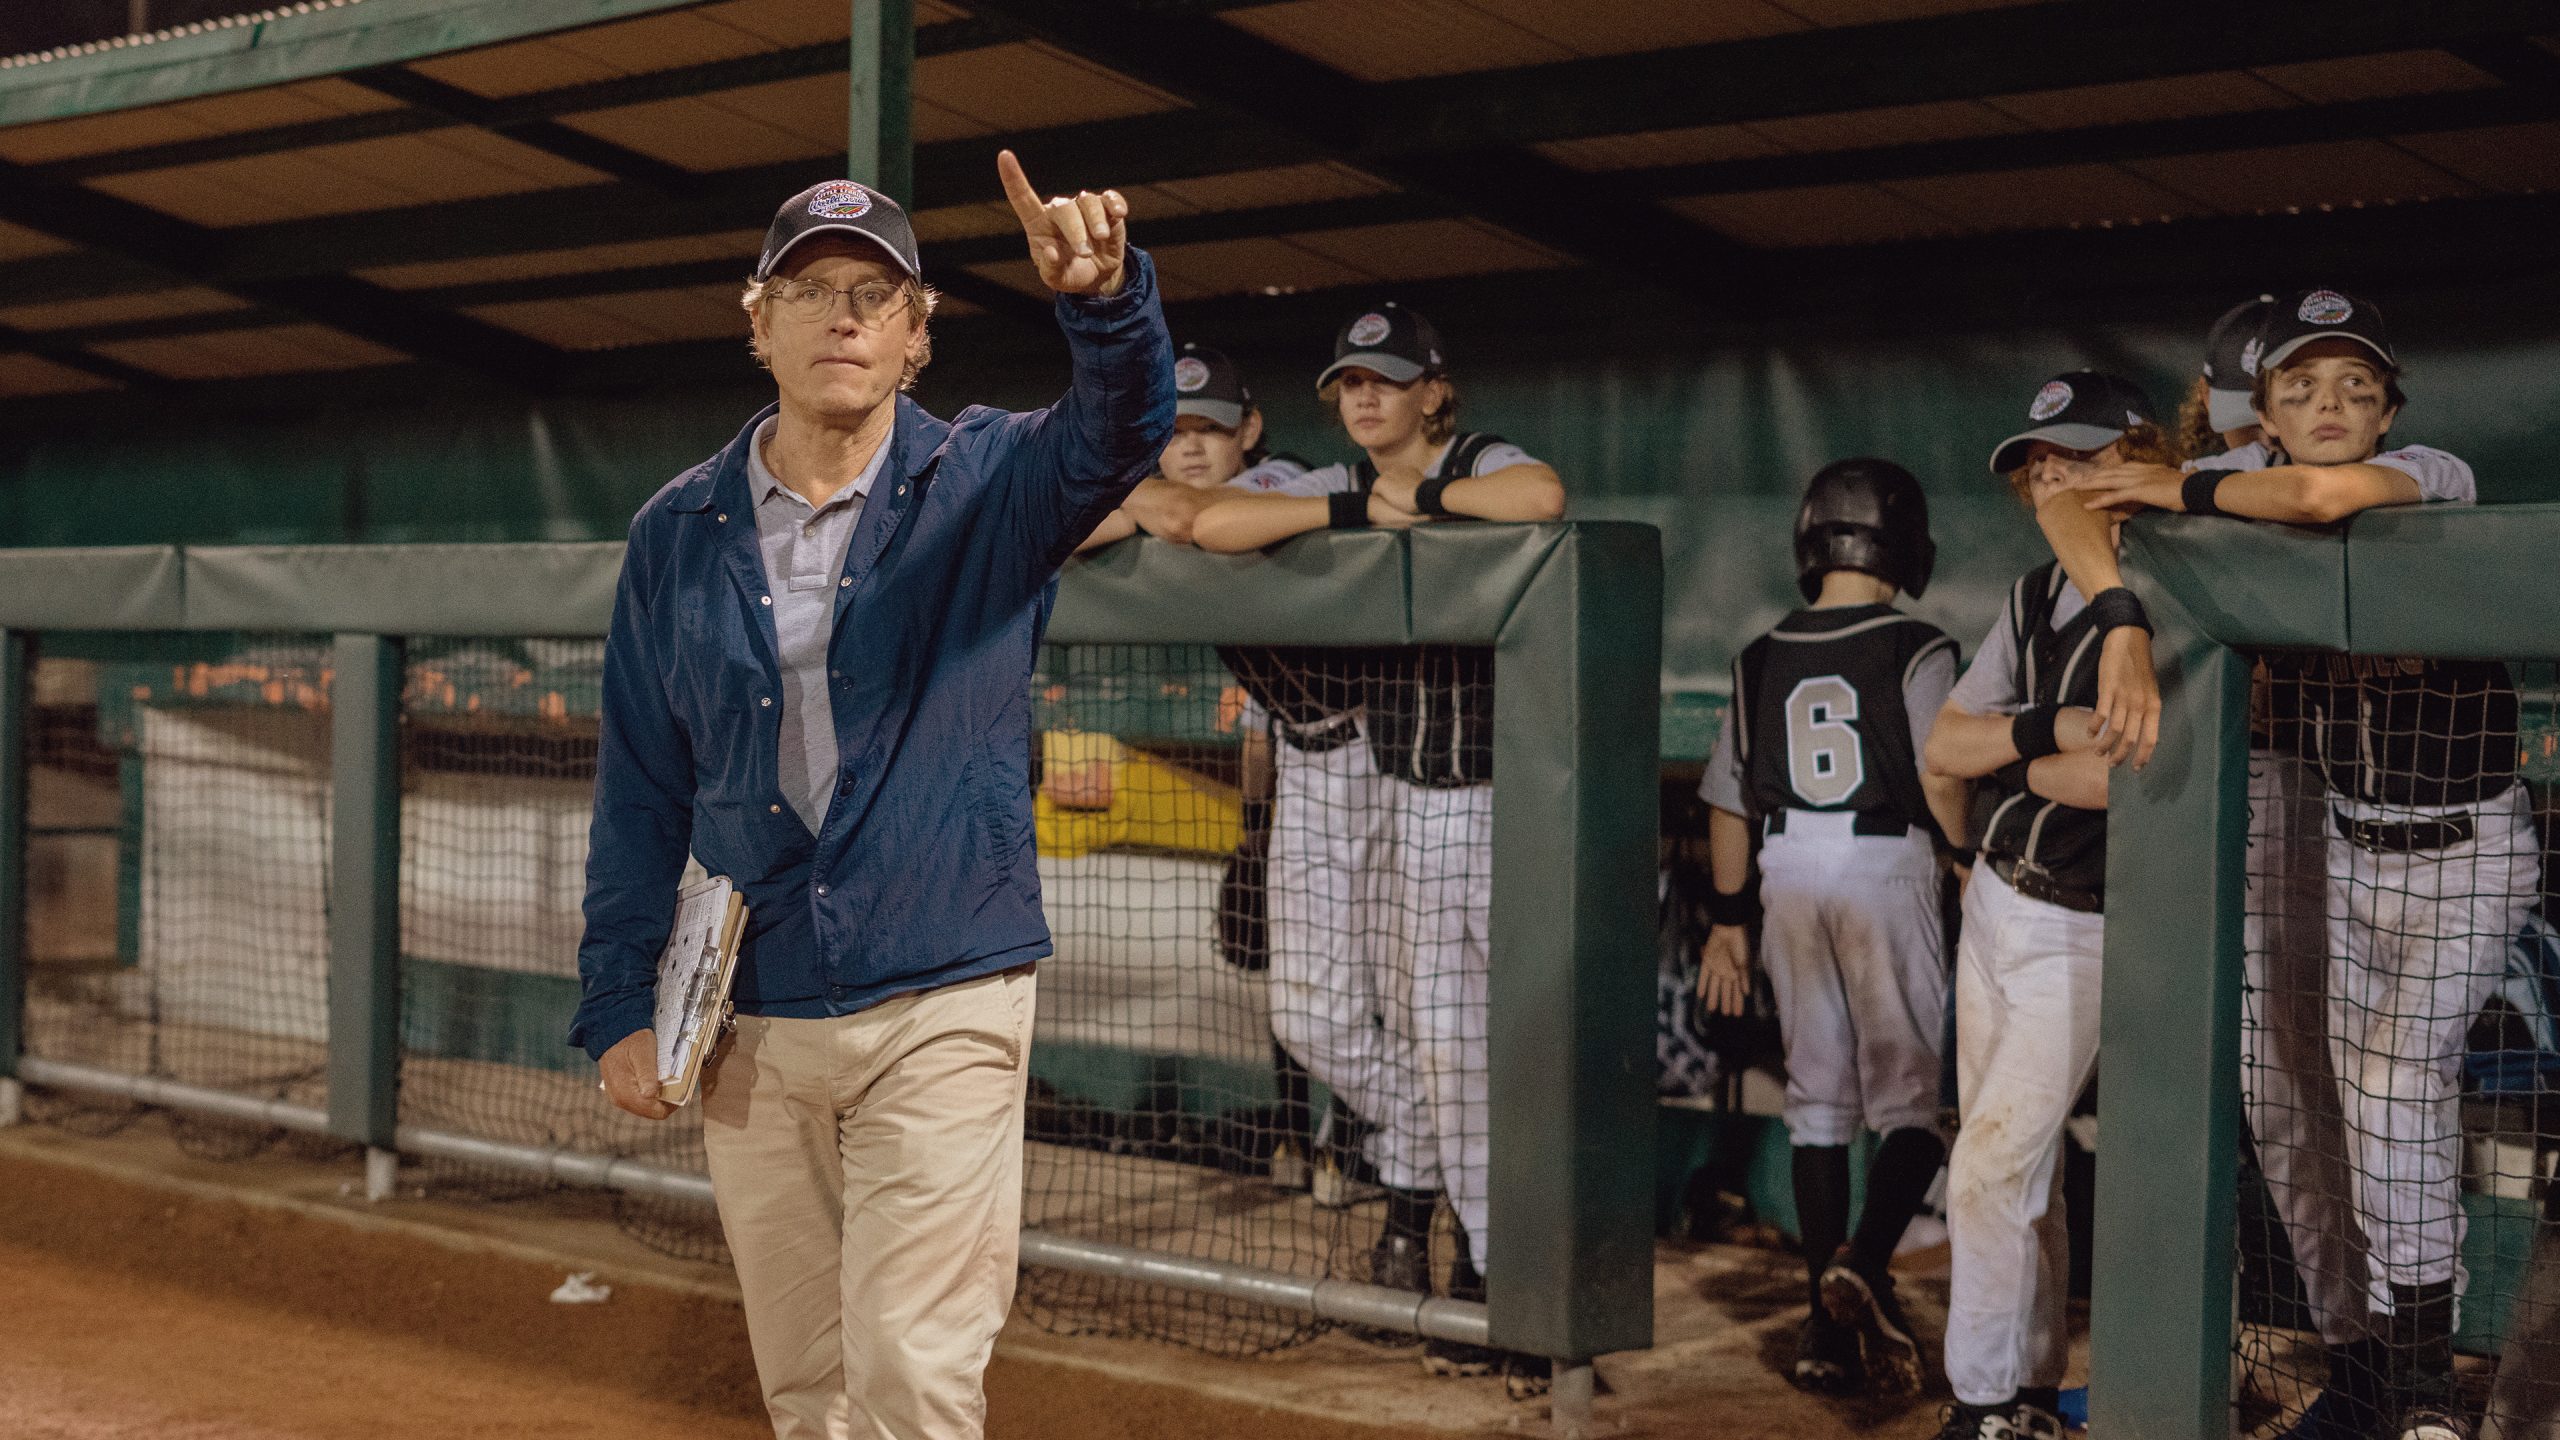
{"x": 1282, "y": 476}
{"x": 1722, "y": 785}
{"x": 1990, "y": 683}
{"x": 1501, "y": 456}
{"x": 1926, "y": 683}
{"x": 2442, "y": 478}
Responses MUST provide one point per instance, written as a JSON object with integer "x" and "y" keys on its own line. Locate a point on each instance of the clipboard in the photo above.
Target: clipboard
{"x": 694, "y": 972}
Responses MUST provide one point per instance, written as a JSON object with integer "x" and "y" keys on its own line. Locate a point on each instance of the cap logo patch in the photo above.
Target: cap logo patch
{"x": 2050, "y": 401}
{"x": 1369, "y": 329}
{"x": 1190, "y": 374}
{"x": 840, "y": 200}
{"x": 2249, "y": 354}
{"x": 2324, "y": 307}
{"x": 2132, "y": 420}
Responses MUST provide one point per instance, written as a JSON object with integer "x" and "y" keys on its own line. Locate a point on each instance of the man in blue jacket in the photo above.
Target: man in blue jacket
{"x": 817, "y": 682}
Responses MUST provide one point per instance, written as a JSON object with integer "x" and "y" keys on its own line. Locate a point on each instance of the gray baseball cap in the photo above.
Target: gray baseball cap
{"x": 2231, "y": 363}
{"x": 2308, "y": 315}
{"x": 1207, "y": 384}
{"x": 1391, "y": 340}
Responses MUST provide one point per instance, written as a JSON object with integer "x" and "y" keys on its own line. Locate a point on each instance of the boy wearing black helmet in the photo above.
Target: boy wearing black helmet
{"x": 1820, "y": 754}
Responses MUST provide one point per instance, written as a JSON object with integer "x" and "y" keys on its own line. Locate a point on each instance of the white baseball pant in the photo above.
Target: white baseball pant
{"x": 2416, "y": 944}
{"x": 2026, "y": 1039}
{"x": 1333, "y": 823}
{"x": 2288, "y": 1091}
{"x": 1856, "y": 955}
{"x": 1439, "y": 996}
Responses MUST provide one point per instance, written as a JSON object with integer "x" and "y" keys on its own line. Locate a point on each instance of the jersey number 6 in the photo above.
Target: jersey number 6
{"x": 1825, "y": 764}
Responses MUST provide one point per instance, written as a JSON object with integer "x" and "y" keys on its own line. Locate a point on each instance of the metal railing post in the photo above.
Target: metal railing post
{"x": 364, "y": 900}
{"x": 15, "y": 655}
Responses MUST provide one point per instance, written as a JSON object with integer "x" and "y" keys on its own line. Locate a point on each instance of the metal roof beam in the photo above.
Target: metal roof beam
{"x": 424, "y": 92}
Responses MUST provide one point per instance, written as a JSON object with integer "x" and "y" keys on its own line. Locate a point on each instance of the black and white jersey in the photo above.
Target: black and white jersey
{"x": 1822, "y": 715}
{"x": 2044, "y": 663}
{"x": 1430, "y": 713}
{"x": 2399, "y": 732}
{"x": 1312, "y": 693}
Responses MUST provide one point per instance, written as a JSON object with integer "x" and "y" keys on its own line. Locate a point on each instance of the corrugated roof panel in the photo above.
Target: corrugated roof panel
{"x": 601, "y": 322}
{"x": 1260, "y": 265}
{"x": 35, "y": 375}
{"x": 758, "y": 125}
{"x": 2221, "y": 93}
{"x": 1829, "y": 13}
{"x": 454, "y": 164}
{"x": 1398, "y": 39}
{"x": 1030, "y": 87}
{"x": 1617, "y": 27}
{"x": 1888, "y": 125}
{"x": 2244, "y": 182}
{"x": 784, "y": 23}
{"x": 1428, "y": 249}
{"x": 2507, "y": 158}
{"x": 664, "y": 41}
{"x": 1253, "y": 189}
{"x": 227, "y": 114}
{"x": 930, "y": 123}
{"x": 2372, "y": 77}
{"x": 740, "y": 245}
{"x": 117, "y": 309}
{"x": 2047, "y": 198}
{"x": 20, "y": 243}
{"x": 1696, "y": 145}
{"x": 1815, "y": 215}
{"x": 283, "y": 350}
{"x": 962, "y": 222}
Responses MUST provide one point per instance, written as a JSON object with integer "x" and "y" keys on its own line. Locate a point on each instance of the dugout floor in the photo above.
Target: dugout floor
{"x": 152, "y": 1293}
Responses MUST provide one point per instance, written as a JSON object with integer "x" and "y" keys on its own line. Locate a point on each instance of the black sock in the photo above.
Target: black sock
{"x": 2044, "y": 1397}
{"x": 2422, "y": 1343}
{"x": 1409, "y": 1213}
{"x": 1822, "y": 1207}
{"x": 1296, "y": 1117}
{"x": 1906, "y": 1163}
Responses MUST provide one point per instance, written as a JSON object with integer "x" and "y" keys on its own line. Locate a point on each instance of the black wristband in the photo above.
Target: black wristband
{"x": 2109, "y": 609}
{"x": 2197, "y": 493}
{"x": 1740, "y": 908}
{"x": 2031, "y": 730}
{"x": 1426, "y": 497}
{"x": 1350, "y": 509}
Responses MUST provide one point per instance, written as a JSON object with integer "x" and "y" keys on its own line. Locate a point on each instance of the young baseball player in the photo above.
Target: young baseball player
{"x": 2215, "y": 420}
{"x": 1428, "y": 718}
{"x": 1217, "y": 445}
{"x": 1820, "y": 753}
{"x": 2023, "y": 724}
{"x": 2431, "y": 862}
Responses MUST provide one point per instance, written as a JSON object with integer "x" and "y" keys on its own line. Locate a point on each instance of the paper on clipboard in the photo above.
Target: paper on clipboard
{"x": 693, "y": 982}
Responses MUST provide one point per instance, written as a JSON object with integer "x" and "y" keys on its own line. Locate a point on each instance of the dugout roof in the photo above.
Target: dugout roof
{"x": 566, "y": 193}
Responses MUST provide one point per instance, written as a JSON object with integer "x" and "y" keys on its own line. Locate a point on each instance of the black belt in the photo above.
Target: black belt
{"x": 1868, "y": 822}
{"x": 2037, "y": 883}
{"x": 2405, "y": 837}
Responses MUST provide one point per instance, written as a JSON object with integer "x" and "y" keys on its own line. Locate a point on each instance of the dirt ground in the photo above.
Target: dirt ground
{"x": 146, "y": 1293}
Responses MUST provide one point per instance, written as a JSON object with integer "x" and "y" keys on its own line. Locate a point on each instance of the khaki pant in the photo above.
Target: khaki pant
{"x": 868, "y": 1169}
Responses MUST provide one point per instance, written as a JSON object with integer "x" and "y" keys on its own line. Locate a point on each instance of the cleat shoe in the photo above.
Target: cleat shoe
{"x": 1526, "y": 1377}
{"x": 2034, "y": 1422}
{"x": 1456, "y": 1358}
{"x": 1976, "y": 1422}
{"x": 2427, "y": 1422}
{"x": 1868, "y": 1307}
{"x": 1827, "y": 1357}
{"x": 1289, "y": 1169}
{"x": 1339, "y": 1187}
{"x": 1401, "y": 1262}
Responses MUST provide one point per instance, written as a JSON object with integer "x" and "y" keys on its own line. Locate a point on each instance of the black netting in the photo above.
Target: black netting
{"x": 1262, "y": 1040}
{"x": 178, "y": 861}
{"x": 2401, "y": 1024}
{"x": 498, "y": 760}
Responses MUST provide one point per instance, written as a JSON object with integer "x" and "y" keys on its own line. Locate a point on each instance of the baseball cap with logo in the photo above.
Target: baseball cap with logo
{"x": 840, "y": 207}
{"x": 2308, "y": 315}
{"x": 1207, "y": 384}
{"x": 2231, "y": 363}
{"x": 2081, "y": 410}
{"x": 1393, "y": 341}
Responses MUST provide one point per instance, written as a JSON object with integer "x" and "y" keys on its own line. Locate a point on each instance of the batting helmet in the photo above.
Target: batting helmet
{"x": 1865, "y": 515}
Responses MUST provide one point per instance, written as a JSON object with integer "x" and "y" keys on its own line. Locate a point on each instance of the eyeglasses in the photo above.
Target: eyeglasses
{"x": 811, "y": 303}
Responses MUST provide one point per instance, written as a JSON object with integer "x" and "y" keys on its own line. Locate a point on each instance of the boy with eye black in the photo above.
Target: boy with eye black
{"x": 2431, "y": 861}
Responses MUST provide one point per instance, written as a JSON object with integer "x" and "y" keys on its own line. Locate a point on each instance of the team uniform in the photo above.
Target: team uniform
{"x": 2027, "y": 971}
{"x": 1429, "y": 721}
{"x": 1831, "y": 710}
{"x": 1332, "y": 828}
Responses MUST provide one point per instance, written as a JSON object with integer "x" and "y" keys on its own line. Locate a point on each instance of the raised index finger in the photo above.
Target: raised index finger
{"x": 1017, "y": 189}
